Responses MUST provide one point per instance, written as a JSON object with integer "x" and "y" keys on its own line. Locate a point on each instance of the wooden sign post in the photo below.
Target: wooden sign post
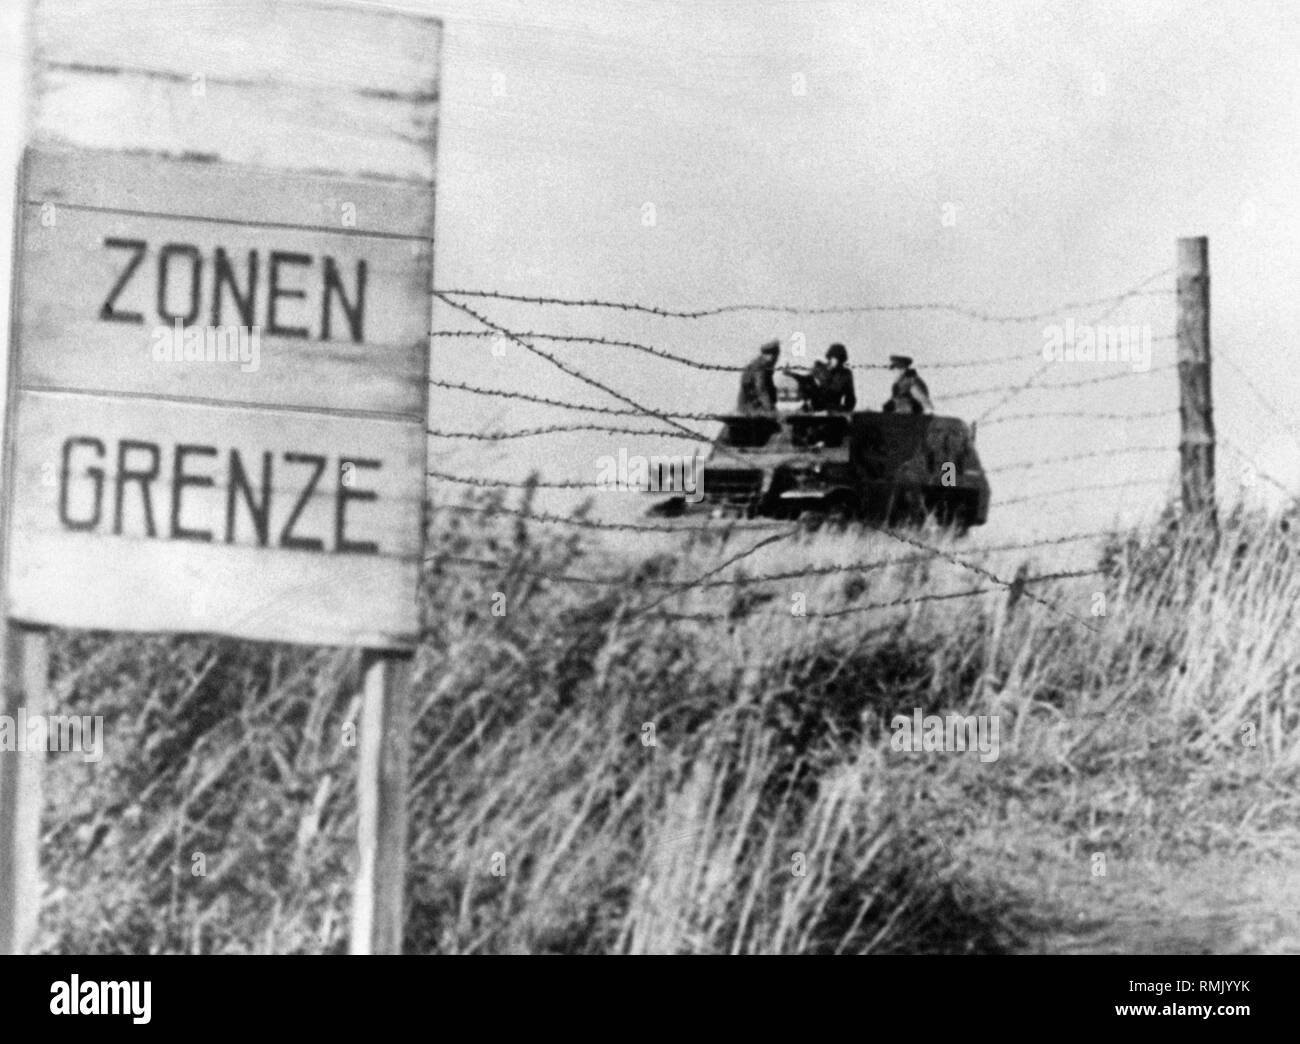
{"x": 217, "y": 405}
{"x": 26, "y": 666}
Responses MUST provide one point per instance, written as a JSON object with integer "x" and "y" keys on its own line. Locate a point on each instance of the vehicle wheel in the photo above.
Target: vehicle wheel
{"x": 841, "y": 512}
{"x": 835, "y": 513}
{"x": 812, "y": 520}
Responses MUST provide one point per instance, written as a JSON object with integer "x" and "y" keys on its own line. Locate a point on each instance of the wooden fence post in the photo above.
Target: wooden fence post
{"x": 1196, "y": 448}
{"x": 25, "y": 681}
{"x": 383, "y": 767}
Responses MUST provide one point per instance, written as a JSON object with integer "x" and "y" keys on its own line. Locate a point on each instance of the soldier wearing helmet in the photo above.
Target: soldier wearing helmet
{"x": 829, "y": 385}
{"x": 835, "y": 390}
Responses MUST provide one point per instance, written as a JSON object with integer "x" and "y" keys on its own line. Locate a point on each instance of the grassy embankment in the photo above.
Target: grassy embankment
{"x": 769, "y": 815}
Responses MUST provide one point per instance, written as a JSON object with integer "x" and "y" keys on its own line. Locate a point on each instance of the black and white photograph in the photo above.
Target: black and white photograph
{"x": 652, "y": 477}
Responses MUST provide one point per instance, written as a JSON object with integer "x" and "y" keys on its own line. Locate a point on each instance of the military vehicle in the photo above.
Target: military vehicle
{"x": 838, "y": 467}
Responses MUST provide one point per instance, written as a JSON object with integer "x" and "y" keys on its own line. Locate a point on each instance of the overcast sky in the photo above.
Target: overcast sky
{"x": 1006, "y": 156}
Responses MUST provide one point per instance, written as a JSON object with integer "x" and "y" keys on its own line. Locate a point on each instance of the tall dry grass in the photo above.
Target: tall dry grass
{"x": 588, "y": 777}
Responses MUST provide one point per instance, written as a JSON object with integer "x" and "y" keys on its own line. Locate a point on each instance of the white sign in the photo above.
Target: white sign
{"x": 218, "y": 400}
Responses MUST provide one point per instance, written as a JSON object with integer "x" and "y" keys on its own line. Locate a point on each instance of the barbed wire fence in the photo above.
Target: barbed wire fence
{"x": 640, "y": 420}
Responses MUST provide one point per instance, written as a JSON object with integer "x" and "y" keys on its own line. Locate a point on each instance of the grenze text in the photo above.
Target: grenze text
{"x": 139, "y": 464}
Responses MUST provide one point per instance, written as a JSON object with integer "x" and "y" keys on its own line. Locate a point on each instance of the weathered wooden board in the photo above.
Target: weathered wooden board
{"x": 333, "y": 88}
{"x": 201, "y": 588}
{"x": 107, "y": 288}
{"x": 367, "y": 47}
{"x": 222, "y": 192}
{"x": 255, "y": 451}
{"x": 291, "y": 483}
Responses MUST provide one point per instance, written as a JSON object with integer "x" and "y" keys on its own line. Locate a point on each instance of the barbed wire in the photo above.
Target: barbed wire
{"x": 868, "y": 607}
{"x": 870, "y": 565}
{"x": 711, "y": 578}
{"x": 504, "y": 393}
{"x": 618, "y": 411}
{"x": 671, "y": 417}
{"x": 704, "y": 577}
{"x": 1022, "y": 582}
{"x": 703, "y": 313}
{"x": 611, "y": 411}
{"x": 1070, "y": 458}
{"x": 552, "y": 429}
{"x": 532, "y": 482}
{"x": 716, "y": 527}
{"x": 919, "y": 545}
{"x": 1263, "y": 399}
{"x": 572, "y": 371}
{"x": 663, "y": 353}
{"x": 1116, "y": 303}
{"x": 964, "y": 364}
{"x": 975, "y": 568}
{"x": 1041, "y": 542}
{"x": 1104, "y": 379}
{"x": 1247, "y": 458}
{"x": 713, "y": 617}
{"x": 1081, "y": 414}
{"x": 1105, "y": 487}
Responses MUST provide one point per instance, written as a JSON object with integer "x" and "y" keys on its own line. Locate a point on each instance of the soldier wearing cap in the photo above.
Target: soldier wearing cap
{"x": 909, "y": 394}
{"x": 757, "y": 388}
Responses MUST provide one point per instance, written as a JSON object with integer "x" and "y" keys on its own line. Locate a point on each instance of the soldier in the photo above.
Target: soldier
{"x": 809, "y": 382}
{"x": 829, "y": 386}
{"x": 757, "y": 388}
{"x": 836, "y": 383}
{"x": 909, "y": 394}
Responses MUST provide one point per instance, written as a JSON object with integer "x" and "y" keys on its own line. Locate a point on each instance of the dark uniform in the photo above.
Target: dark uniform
{"x": 757, "y": 388}
{"x": 835, "y": 391}
{"x": 824, "y": 388}
{"x": 810, "y": 384}
{"x": 909, "y": 393}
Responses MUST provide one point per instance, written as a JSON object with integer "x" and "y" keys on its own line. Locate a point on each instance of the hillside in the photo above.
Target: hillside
{"x": 595, "y": 772}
